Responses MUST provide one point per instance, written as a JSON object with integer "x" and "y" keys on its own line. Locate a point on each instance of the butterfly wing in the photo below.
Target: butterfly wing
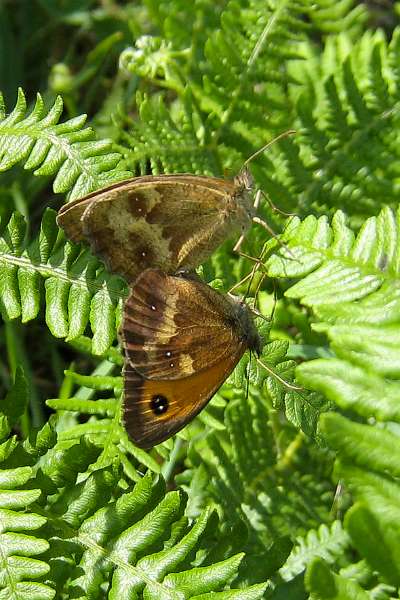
{"x": 70, "y": 215}
{"x": 170, "y": 222}
{"x": 174, "y": 327}
{"x": 155, "y": 410}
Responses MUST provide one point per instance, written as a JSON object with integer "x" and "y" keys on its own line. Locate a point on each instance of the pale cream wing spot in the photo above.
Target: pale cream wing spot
{"x": 186, "y": 364}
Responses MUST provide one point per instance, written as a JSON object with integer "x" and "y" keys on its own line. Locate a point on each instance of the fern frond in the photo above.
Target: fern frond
{"x": 301, "y": 407}
{"x": 139, "y": 543}
{"x": 76, "y": 289}
{"x": 105, "y": 420}
{"x": 19, "y": 518}
{"x": 343, "y": 274}
{"x": 351, "y": 284}
{"x": 219, "y": 118}
{"x": 99, "y": 532}
{"x": 254, "y": 480}
{"x": 326, "y": 543}
{"x": 171, "y": 143}
{"x": 67, "y": 150}
{"x": 329, "y": 16}
{"x": 324, "y": 584}
{"x": 242, "y": 61}
{"x": 185, "y": 28}
{"x": 347, "y": 115}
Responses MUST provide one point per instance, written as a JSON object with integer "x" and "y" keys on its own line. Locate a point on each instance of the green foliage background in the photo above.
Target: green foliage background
{"x": 287, "y": 493}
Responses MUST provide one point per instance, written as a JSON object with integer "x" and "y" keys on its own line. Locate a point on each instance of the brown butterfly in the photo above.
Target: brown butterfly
{"x": 173, "y": 222}
{"x": 181, "y": 340}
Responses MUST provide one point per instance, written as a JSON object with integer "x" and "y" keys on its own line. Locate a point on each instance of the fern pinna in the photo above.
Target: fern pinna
{"x": 274, "y": 491}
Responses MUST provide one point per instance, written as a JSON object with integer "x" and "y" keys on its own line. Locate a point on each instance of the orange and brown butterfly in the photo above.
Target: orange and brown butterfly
{"x": 172, "y": 222}
{"x": 181, "y": 340}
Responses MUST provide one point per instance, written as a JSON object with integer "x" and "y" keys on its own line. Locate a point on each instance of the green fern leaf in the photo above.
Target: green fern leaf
{"x": 322, "y": 583}
{"x": 77, "y": 290}
{"x": 170, "y": 144}
{"x": 244, "y": 470}
{"x": 19, "y": 541}
{"x": 66, "y": 150}
{"x": 350, "y": 282}
{"x": 346, "y": 113}
{"x": 341, "y": 269}
{"x": 326, "y": 543}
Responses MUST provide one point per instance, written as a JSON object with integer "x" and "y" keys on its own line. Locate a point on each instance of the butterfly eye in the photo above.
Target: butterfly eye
{"x": 159, "y": 404}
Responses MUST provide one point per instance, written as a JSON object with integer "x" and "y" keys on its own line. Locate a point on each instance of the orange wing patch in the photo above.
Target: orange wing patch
{"x": 155, "y": 410}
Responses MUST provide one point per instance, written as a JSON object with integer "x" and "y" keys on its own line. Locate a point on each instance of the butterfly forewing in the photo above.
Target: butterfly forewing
{"x": 174, "y": 327}
{"x": 170, "y": 222}
{"x": 70, "y": 215}
{"x": 181, "y": 340}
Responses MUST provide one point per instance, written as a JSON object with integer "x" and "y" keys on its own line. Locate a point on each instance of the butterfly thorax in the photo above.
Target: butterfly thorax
{"x": 244, "y": 324}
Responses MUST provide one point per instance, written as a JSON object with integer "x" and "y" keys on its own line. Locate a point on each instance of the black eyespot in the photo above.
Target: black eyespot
{"x": 159, "y": 404}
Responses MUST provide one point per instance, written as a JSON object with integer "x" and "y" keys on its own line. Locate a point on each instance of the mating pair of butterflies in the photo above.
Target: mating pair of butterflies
{"x": 181, "y": 338}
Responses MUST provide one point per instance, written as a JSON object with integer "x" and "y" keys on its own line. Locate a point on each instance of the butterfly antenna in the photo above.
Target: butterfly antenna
{"x": 278, "y": 377}
{"x": 273, "y": 141}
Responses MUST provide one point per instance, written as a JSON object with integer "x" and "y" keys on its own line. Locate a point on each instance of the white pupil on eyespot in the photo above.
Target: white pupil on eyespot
{"x": 143, "y": 253}
{"x": 168, "y": 354}
{"x": 171, "y": 364}
{"x": 153, "y": 307}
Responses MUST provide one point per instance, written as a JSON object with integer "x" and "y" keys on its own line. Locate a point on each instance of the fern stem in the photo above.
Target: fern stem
{"x": 17, "y": 356}
{"x": 168, "y": 467}
{"x": 259, "y": 45}
{"x": 286, "y": 460}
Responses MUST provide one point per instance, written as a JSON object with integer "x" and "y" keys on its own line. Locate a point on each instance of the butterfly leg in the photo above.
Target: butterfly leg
{"x": 272, "y": 205}
{"x": 257, "y": 199}
{"x": 273, "y": 234}
{"x": 257, "y": 261}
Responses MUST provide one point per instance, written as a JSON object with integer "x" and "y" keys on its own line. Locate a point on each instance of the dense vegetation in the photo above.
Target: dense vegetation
{"x": 273, "y": 491}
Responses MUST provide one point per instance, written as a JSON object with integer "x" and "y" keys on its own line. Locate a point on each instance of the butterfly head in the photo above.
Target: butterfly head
{"x": 244, "y": 185}
{"x": 244, "y": 180}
